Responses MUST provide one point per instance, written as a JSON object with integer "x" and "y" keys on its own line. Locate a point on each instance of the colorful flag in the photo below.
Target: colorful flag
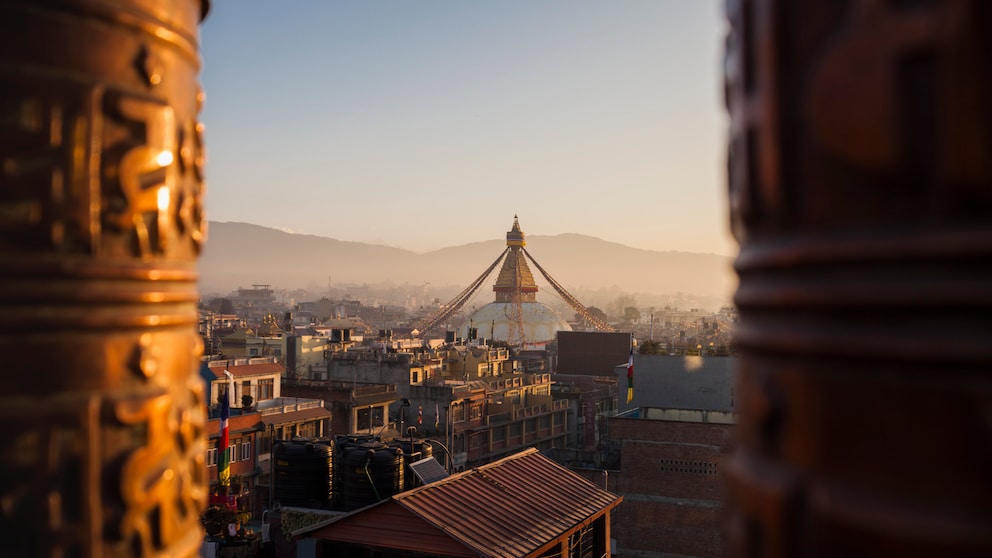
{"x": 223, "y": 459}
{"x": 420, "y": 414}
{"x": 630, "y": 376}
{"x": 437, "y": 416}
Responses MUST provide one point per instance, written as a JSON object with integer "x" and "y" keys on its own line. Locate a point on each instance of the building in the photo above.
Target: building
{"x": 671, "y": 479}
{"x": 499, "y": 416}
{"x": 673, "y": 440}
{"x": 253, "y": 429}
{"x": 592, "y": 353}
{"x": 258, "y": 378}
{"x": 522, "y": 506}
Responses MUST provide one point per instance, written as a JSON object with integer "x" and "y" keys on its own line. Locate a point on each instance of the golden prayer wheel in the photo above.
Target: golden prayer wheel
{"x": 860, "y": 184}
{"x": 101, "y": 222}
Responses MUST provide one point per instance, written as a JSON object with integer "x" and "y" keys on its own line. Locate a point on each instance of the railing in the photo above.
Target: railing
{"x": 290, "y": 407}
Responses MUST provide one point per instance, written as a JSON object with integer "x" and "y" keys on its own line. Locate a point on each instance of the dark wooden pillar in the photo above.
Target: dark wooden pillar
{"x": 101, "y": 220}
{"x": 860, "y": 184}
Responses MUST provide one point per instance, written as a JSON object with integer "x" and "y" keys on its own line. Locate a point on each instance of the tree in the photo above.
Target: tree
{"x": 650, "y": 347}
{"x": 631, "y": 314}
{"x": 617, "y": 306}
{"x": 222, "y": 305}
{"x": 246, "y": 401}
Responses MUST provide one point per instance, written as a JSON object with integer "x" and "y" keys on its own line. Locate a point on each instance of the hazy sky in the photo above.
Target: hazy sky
{"x": 429, "y": 123}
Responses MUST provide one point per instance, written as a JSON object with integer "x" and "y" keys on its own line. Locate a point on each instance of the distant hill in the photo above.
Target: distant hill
{"x": 241, "y": 254}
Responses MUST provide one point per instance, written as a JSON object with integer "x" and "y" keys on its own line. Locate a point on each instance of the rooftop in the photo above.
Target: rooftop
{"x": 528, "y": 500}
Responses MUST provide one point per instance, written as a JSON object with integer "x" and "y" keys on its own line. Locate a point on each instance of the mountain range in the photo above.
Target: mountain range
{"x": 242, "y": 254}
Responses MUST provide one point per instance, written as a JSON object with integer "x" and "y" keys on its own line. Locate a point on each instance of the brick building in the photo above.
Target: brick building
{"x": 670, "y": 478}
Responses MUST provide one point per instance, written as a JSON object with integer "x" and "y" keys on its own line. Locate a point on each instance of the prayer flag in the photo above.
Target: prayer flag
{"x": 630, "y": 376}
{"x": 224, "y": 460}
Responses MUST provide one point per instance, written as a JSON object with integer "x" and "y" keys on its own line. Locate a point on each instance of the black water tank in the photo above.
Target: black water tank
{"x": 304, "y": 473}
{"x": 412, "y": 452}
{"x": 342, "y": 444}
{"x": 370, "y": 472}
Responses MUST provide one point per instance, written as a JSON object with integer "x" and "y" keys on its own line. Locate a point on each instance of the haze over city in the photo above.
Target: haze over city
{"x": 428, "y": 124}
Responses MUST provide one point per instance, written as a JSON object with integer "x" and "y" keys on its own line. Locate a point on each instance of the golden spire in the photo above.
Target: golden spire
{"x": 515, "y": 282}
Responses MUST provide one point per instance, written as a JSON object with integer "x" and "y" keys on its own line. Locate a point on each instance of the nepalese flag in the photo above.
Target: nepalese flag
{"x": 223, "y": 459}
{"x": 420, "y": 414}
{"x": 630, "y": 376}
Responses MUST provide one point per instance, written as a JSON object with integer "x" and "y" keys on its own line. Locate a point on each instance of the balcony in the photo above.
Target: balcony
{"x": 281, "y": 405}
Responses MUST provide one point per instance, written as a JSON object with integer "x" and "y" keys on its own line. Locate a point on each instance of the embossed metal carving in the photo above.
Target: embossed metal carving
{"x": 860, "y": 185}
{"x": 101, "y": 221}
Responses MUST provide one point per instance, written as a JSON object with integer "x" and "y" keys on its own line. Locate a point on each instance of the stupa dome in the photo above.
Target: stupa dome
{"x": 509, "y": 321}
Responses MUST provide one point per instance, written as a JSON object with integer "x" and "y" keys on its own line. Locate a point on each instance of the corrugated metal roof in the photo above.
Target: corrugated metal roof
{"x": 509, "y": 508}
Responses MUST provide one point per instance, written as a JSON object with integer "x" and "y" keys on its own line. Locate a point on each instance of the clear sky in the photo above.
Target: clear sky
{"x": 422, "y": 124}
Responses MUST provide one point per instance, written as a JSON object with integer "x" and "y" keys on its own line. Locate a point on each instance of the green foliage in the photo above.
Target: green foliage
{"x": 650, "y": 347}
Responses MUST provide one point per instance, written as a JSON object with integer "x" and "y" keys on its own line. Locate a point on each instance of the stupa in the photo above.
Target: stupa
{"x": 515, "y": 316}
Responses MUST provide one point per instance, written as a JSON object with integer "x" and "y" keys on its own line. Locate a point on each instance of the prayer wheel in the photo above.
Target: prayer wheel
{"x": 860, "y": 189}
{"x": 101, "y": 222}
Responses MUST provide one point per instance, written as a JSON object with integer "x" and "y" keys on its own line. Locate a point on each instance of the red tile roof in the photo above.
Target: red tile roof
{"x": 509, "y": 508}
{"x": 235, "y": 424}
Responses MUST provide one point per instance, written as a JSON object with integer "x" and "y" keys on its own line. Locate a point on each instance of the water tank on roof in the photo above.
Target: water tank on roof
{"x": 343, "y": 443}
{"x": 371, "y": 472}
{"x": 304, "y": 473}
{"x": 412, "y": 451}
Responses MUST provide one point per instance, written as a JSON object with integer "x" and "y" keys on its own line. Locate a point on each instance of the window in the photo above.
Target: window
{"x": 232, "y": 451}
{"x": 253, "y": 351}
{"x": 245, "y": 451}
{"x": 545, "y": 422}
{"x": 266, "y": 389}
{"x": 515, "y": 429}
{"x": 363, "y": 419}
{"x": 307, "y": 430}
{"x": 457, "y": 413}
{"x": 246, "y": 388}
{"x": 212, "y": 457}
{"x": 530, "y": 425}
{"x": 476, "y": 411}
{"x": 499, "y": 434}
{"x": 414, "y": 376}
{"x": 475, "y": 442}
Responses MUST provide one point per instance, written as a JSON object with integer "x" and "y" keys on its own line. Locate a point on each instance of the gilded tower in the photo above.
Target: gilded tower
{"x": 515, "y": 282}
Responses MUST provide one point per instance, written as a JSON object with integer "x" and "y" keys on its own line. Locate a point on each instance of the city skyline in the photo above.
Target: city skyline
{"x": 431, "y": 124}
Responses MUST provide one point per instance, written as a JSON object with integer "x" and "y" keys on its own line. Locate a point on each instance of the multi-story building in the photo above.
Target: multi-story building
{"x": 259, "y": 378}
{"x": 496, "y": 417}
